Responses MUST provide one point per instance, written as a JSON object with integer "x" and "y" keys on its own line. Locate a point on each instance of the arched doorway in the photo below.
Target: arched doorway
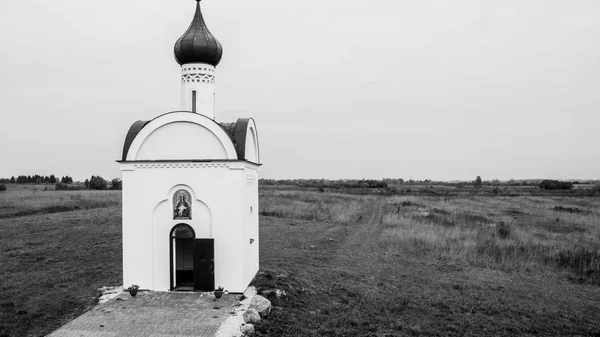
{"x": 182, "y": 257}
{"x": 192, "y": 260}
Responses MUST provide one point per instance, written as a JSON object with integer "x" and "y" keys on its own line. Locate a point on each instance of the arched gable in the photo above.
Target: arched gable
{"x": 245, "y": 138}
{"x": 178, "y": 136}
{"x": 252, "y": 152}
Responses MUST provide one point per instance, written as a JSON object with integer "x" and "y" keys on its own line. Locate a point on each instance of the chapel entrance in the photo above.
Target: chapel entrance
{"x": 192, "y": 260}
{"x": 182, "y": 258}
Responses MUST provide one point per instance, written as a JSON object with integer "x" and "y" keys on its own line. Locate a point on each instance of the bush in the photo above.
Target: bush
{"x": 594, "y": 191}
{"x": 555, "y": 185}
{"x": 97, "y": 183}
{"x": 61, "y": 186}
{"x": 477, "y": 183}
{"x": 389, "y": 191}
{"x": 116, "y": 184}
{"x": 503, "y": 230}
{"x": 2, "y": 187}
{"x": 569, "y": 209}
{"x": 584, "y": 262}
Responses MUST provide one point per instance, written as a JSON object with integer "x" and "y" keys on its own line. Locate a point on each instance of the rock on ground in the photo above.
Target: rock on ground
{"x": 252, "y": 316}
{"x": 109, "y": 293}
{"x": 247, "y": 329}
{"x": 278, "y": 292}
{"x": 231, "y": 326}
{"x": 262, "y": 305}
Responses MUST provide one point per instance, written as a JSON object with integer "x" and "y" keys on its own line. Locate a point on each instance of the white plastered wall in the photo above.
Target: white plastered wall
{"x": 181, "y": 140}
{"x": 251, "y": 226}
{"x": 217, "y": 189}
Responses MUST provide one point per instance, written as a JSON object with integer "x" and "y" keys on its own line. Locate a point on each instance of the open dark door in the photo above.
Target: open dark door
{"x": 204, "y": 264}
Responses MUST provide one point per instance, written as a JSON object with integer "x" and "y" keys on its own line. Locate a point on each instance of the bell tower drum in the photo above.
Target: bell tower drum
{"x": 198, "y": 52}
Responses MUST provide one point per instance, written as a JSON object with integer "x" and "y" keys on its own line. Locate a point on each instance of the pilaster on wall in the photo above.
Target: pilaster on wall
{"x": 251, "y": 177}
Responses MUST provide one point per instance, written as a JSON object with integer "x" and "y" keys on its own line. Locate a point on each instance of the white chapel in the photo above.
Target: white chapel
{"x": 190, "y": 186}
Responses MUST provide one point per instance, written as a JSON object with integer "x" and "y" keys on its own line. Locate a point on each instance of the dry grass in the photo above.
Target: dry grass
{"x": 335, "y": 208}
{"x": 21, "y": 200}
{"x": 52, "y": 265}
{"x": 506, "y": 233}
{"x": 351, "y": 265}
{"x": 431, "y": 266}
{"x": 499, "y": 233}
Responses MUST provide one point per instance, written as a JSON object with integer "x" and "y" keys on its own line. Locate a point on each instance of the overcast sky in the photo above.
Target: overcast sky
{"x": 421, "y": 89}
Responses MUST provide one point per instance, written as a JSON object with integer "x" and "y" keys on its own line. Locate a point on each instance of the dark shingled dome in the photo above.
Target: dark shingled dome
{"x": 197, "y": 44}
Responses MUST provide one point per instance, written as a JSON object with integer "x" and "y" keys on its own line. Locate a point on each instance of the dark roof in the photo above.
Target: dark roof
{"x": 131, "y": 134}
{"x": 236, "y": 132}
{"x": 197, "y": 44}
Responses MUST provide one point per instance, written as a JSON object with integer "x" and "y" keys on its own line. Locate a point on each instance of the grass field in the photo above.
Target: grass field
{"x": 351, "y": 265}
{"x": 431, "y": 266}
{"x": 56, "y": 250}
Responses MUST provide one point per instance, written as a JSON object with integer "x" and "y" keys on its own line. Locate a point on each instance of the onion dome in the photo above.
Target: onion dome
{"x": 197, "y": 44}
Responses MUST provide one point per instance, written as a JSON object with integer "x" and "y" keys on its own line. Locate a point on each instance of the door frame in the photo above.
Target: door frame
{"x": 171, "y": 239}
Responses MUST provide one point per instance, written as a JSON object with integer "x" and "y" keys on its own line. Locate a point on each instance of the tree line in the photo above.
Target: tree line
{"x": 36, "y": 179}
{"x": 324, "y": 183}
{"x": 65, "y": 182}
{"x": 389, "y": 182}
{"x": 94, "y": 183}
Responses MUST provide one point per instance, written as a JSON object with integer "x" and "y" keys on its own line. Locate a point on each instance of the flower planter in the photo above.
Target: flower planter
{"x": 133, "y": 290}
{"x": 218, "y": 293}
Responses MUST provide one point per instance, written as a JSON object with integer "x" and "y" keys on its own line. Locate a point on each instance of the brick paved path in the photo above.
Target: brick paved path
{"x": 152, "y": 314}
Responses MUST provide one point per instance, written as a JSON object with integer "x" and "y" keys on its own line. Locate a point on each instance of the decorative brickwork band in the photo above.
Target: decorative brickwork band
{"x": 180, "y": 165}
{"x": 198, "y": 77}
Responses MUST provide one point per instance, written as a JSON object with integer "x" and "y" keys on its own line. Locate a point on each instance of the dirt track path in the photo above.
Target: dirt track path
{"x": 364, "y": 236}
